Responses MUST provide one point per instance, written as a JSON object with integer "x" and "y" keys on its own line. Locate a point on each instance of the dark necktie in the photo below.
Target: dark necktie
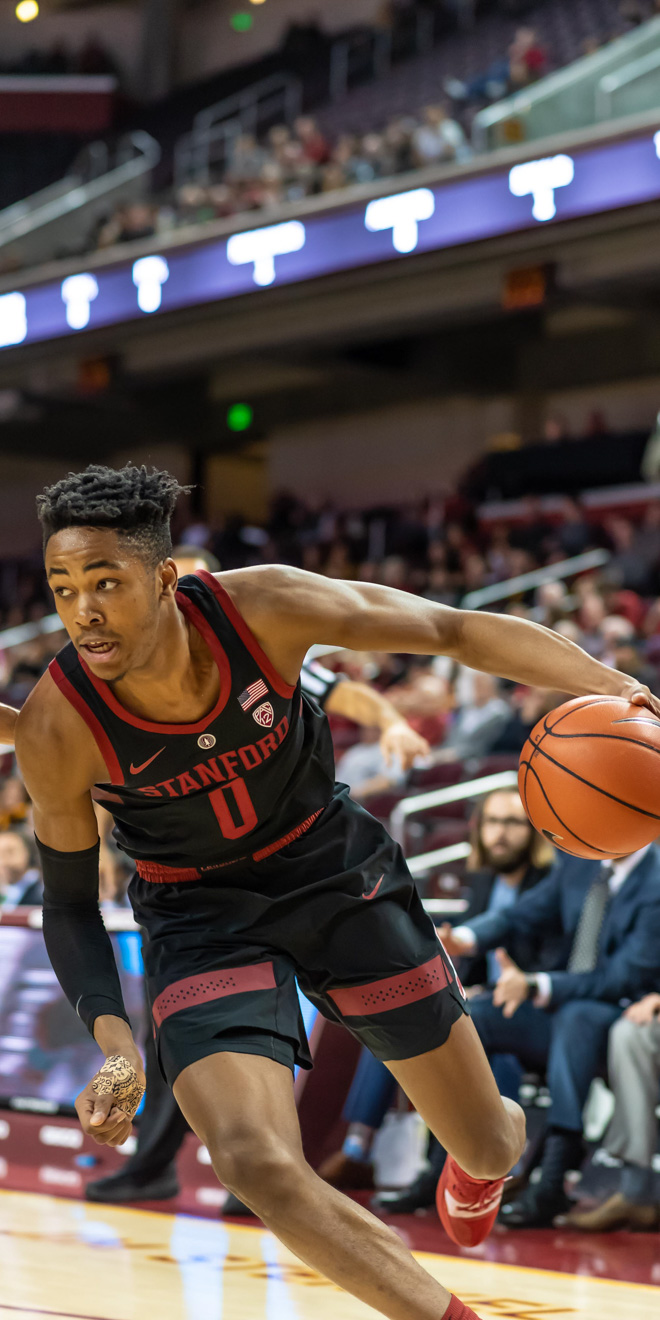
{"x": 584, "y": 953}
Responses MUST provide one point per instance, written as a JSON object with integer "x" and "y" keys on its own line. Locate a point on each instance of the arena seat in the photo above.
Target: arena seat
{"x": 436, "y": 776}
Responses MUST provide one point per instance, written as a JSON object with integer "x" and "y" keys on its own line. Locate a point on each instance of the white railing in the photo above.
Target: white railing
{"x": 537, "y": 578}
{"x": 424, "y": 862}
{"x": 438, "y": 797}
{"x": 62, "y": 214}
{"x": 625, "y": 78}
{"x": 214, "y": 130}
{"x": 565, "y": 100}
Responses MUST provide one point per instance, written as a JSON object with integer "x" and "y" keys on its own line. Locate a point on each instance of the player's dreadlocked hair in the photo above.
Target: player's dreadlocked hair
{"x": 130, "y": 500}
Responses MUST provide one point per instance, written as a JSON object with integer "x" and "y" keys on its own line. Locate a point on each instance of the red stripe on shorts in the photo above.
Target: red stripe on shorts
{"x": 206, "y": 987}
{"x": 393, "y": 991}
{"x": 156, "y": 873}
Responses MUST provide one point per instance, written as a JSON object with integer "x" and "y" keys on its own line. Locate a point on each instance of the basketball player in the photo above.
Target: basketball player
{"x": 181, "y": 708}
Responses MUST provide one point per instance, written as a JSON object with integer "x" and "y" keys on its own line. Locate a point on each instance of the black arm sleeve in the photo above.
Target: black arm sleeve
{"x": 77, "y": 942}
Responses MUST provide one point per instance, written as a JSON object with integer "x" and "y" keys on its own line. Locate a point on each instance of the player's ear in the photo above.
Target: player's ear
{"x": 169, "y": 577}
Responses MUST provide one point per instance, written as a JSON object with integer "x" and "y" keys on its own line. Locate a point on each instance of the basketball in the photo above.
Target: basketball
{"x": 589, "y": 777}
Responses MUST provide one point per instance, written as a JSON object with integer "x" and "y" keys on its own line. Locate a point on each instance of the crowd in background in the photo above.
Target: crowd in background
{"x": 289, "y": 164}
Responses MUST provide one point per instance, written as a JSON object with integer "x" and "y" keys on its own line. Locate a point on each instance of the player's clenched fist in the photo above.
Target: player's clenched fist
{"x": 107, "y": 1106}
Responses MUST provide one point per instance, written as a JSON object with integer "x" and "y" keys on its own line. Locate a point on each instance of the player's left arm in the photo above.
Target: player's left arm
{"x": 289, "y": 610}
{"x": 366, "y": 706}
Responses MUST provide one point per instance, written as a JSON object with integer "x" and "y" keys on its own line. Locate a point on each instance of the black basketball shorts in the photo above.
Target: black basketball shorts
{"x": 337, "y": 910}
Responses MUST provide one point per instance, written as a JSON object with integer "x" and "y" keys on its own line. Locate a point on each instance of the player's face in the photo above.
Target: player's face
{"x": 108, "y": 598}
{"x": 505, "y": 832}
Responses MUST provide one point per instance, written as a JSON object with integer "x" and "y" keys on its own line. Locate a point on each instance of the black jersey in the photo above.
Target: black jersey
{"x": 249, "y": 777}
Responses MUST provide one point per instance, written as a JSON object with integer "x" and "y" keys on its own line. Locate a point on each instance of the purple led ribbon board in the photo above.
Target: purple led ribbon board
{"x": 464, "y": 210}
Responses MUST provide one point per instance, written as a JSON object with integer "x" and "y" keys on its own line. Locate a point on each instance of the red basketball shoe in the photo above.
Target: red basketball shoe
{"x": 467, "y": 1206}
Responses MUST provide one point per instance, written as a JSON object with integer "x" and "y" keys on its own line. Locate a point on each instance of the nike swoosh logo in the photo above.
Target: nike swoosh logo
{"x": 137, "y": 769}
{"x": 375, "y": 889}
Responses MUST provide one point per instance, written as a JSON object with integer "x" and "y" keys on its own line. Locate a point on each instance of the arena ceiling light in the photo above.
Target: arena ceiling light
{"x": 27, "y": 11}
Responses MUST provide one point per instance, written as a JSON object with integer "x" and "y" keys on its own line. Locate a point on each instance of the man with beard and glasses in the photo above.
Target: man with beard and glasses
{"x": 507, "y": 859}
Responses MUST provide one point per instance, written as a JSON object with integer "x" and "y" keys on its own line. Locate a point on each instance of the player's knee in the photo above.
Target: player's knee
{"x": 496, "y": 1157}
{"x": 257, "y": 1168}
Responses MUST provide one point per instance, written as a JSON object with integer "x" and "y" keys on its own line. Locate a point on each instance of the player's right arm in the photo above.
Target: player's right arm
{"x": 59, "y": 763}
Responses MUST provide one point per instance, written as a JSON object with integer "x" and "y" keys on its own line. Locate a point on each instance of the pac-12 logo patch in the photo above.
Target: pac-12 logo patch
{"x": 264, "y": 714}
{"x": 206, "y": 741}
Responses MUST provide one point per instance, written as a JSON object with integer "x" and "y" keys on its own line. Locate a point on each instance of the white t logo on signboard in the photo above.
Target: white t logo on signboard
{"x": 402, "y": 214}
{"x": 13, "y": 319}
{"x": 260, "y": 247}
{"x": 79, "y": 292}
{"x": 539, "y": 179}
{"x": 149, "y": 276}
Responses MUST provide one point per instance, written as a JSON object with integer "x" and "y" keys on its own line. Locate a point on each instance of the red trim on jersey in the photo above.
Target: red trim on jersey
{"x": 246, "y": 635}
{"x": 93, "y": 724}
{"x": 207, "y": 986}
{"x": 219, "y": 654}
{"x": 392, "y": 991}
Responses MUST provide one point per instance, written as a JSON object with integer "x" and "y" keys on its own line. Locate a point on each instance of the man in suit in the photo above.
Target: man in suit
{"x": 605, "y": 918}
{"x": 507, "y": 859}
{"x": 633, "y": 1066}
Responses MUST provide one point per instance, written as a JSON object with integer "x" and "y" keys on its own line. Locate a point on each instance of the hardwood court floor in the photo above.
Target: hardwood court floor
{"x": 73, "y": 1261}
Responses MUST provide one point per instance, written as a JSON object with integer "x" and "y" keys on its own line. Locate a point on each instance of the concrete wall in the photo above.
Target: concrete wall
{"x": 627, "y": 405}
{"x": 206, "y": 40}
{"x": 208, "y": 43}
{"x": 117, "y": 26}
{"x": 396, "y": 453}
{"x": 22, "y": 479}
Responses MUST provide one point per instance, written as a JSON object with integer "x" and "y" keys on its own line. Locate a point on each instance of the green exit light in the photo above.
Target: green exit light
{"x": 241, "y": 22}
{"x": 239, "y": 417}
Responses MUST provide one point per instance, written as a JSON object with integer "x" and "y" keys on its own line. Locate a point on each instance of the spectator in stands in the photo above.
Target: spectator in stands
{"x": 634, "y": 1076}
{"x": 315, "y": 148}
{"x": 477, "y": 726}
{"x": 526, "y": 707}
{"x": 20, "y": 881}
{"x": 94, "y": 58}
{"x": 627, "y": 567}
{"x": 423, "y": 697}
{"x": 507, "y": 859}
{"x": 14, "y": 803}
{"x": 128, "y": 225}
{"x": 606, "y": 919}
{"x": 525, "y": 61}
{"x": 246, "y": 160}
{"x": 439, "y": 138}
{"x": 629, "y": 659}
{"x": 367, "y": 770}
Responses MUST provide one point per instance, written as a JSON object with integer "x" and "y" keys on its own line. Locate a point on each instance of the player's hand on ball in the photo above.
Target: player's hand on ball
{"x": 640, "y": 695}
{"x": 107, "y": 1106}
{"x": 512, "y": 988}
